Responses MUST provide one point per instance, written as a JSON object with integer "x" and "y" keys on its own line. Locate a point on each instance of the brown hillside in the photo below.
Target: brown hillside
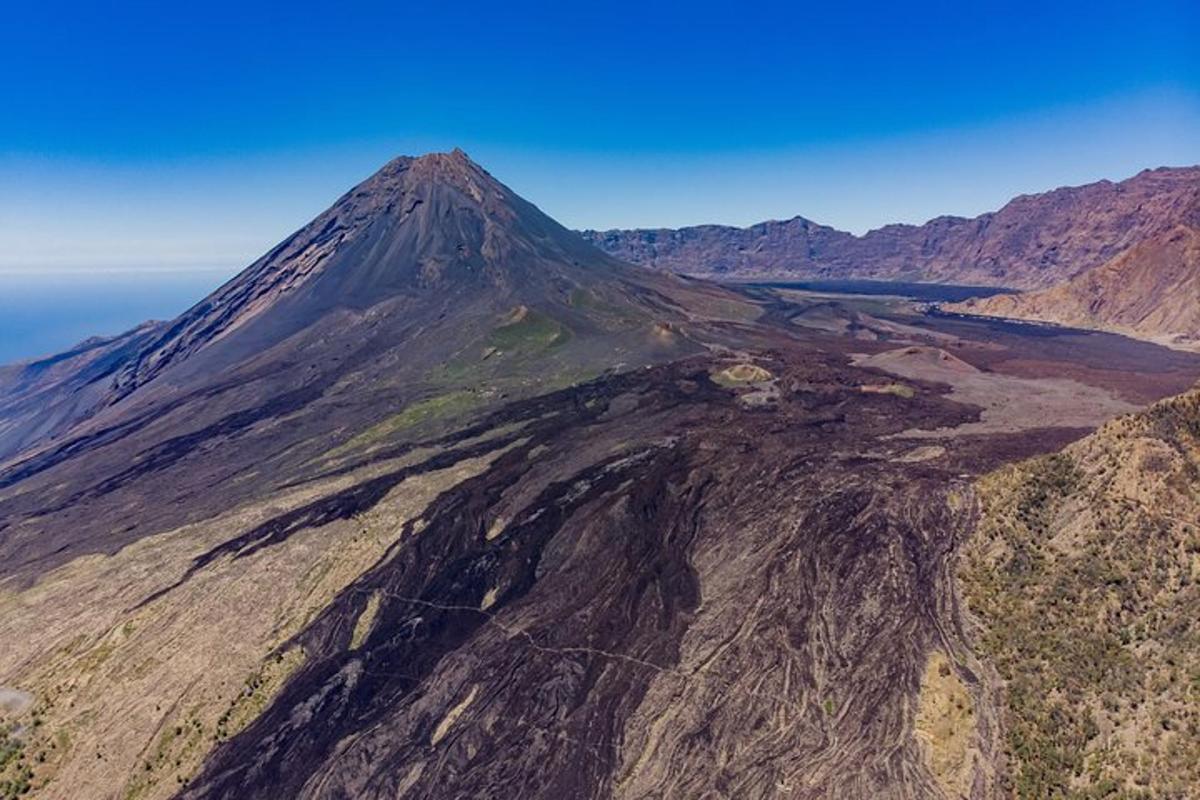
{"x": 1151, "y": 290}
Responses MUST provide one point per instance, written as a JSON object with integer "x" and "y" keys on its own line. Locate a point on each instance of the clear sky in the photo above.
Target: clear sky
{"x": 175, "y": 135}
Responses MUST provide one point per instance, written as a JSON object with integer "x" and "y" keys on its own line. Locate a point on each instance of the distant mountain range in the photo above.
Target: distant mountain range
{"x": 1033, "y": 242}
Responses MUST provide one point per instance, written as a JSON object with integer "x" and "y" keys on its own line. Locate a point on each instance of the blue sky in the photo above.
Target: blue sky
{"x": 176, "y": 136}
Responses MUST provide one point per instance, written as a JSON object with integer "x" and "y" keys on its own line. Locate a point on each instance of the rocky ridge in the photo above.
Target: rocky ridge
{"x": 1034, "y": 241}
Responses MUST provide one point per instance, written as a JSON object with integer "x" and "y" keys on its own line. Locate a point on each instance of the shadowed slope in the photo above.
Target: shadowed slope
{"x": 41, "y": 398}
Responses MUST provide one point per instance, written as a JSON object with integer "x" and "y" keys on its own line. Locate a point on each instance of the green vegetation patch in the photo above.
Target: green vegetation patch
{"x": 518, "y": 345}
{"x": 529, "y": 332}
{"x": 172, "y": 759}
{"x": 609, "y": 314}
{"x": 423, "y": 412}
{"x": 1081, "y": 573}
{"x": 894, "y": 389}
{"x": 27, "y": 752}
{"x": 260, "y": 688}
{"x": 16, "y": 773}
{"x": 741, "y": 375}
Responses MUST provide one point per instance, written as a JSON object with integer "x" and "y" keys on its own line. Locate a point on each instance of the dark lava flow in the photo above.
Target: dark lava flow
{"x": 596, "y": 582}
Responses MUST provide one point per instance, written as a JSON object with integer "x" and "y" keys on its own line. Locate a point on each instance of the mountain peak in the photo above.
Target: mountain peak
{"x": 428, "y": 230}
{"x": 437, "y": 165}
{"x": 458, "y": 170}
{"x": 404, "y": 173}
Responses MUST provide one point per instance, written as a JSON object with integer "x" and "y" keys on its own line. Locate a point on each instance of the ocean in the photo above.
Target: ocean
{"x": 42, "y": 314}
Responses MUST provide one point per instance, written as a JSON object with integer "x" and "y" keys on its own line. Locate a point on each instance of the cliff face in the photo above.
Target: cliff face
{"x": 1032, "y": 242}
{"x": 1151, "y": 291}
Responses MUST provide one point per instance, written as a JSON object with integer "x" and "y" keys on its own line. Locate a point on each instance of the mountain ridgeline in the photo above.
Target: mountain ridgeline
{"x": 1034, "y": 241}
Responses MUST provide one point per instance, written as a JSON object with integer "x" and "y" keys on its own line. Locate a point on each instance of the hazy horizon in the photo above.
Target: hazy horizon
{"x": 131, "y": 260}
{"x": 44, "y": 314}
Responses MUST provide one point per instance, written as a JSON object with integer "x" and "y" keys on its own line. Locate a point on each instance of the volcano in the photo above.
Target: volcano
{"x": 432, "y": 237}
{"x": 436, "y": 500}
{"x": 427, "y": 261}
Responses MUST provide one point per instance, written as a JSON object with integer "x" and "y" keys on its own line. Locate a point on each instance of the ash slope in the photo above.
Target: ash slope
{"x": 1032, "y": 242}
